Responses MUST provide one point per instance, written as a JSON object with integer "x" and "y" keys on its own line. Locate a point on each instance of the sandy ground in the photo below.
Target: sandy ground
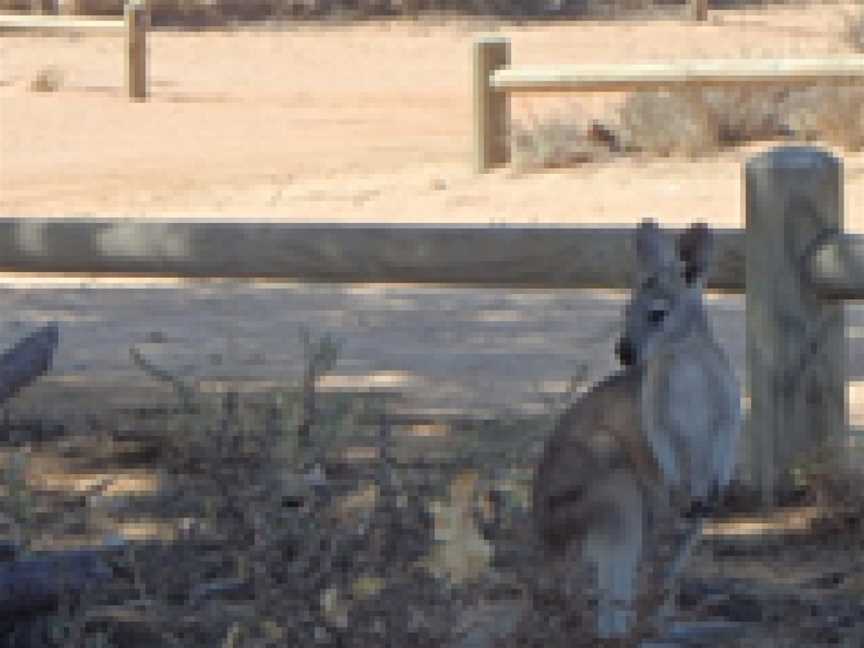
{"x": 356, "y": 123}
{"x": 363, "y": 123}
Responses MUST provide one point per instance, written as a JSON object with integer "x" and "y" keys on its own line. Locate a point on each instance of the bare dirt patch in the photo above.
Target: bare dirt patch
{"x": 369, "y": 122}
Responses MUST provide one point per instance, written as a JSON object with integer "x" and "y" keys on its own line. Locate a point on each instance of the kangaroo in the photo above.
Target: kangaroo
{"x": 661, "y": 431}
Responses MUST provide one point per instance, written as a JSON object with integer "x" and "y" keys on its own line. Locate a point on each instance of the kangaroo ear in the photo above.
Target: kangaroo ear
{"x": 695, "y": 247}
{"x": 653, "y": 249}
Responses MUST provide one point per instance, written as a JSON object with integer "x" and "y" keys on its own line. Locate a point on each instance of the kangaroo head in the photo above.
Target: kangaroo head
{"x": 666, "y": 302}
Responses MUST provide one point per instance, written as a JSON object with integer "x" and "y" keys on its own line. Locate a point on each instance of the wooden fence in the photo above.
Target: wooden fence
{"x": 793, "y": 261}
{"x": 495, "y": 80}
{"x": 134, "y": 26}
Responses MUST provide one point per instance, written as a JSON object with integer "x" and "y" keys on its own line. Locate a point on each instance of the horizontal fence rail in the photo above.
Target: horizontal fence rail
{"x": 495, "y": 79}
{"x": 506, "y": 256}
{"x": 134, "y": 26}
{"x": 518, "y": 256}
{"x": 677, "y": 74}
{"x": 25, "y": 22}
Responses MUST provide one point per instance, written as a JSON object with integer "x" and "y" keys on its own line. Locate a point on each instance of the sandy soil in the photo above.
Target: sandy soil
{"x": 356, "y": 123}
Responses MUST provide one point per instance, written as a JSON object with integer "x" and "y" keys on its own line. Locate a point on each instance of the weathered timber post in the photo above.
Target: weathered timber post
{"x": 411, "y": 8}
{"x": 39, "y": 7}
{"x": 491, "y": 107}
{"x": 136, "y": 49}
{"x": 69, "y": 7}
{"x": 699, "y": 10}
{"x": 795, "y": 338}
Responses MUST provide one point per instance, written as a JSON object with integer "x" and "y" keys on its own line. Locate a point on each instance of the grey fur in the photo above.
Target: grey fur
{"x": 661, "y": 431}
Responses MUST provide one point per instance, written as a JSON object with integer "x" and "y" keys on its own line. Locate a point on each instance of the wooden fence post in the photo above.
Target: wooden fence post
{"x": 491, "y": 108}
{"x": 136, "y": 49}
{"x": 699, "y": 10}
{"x": 69, "y": 7}
{"x": 795, "y": 339}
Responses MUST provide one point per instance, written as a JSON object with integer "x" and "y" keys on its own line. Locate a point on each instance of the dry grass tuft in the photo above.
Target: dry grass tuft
{"x": 831, "y": 113}
{"x": 665, "y": 123}
{"x": 696, "y": 123}
{"x": 553, "y": 143}
{"x": 47, "y": 79}
{"x": 745, "y": 114}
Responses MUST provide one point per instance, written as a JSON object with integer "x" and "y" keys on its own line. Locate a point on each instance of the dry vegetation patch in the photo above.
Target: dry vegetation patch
{"x": 696, "y": 123}
{"x": 278, "y": 539}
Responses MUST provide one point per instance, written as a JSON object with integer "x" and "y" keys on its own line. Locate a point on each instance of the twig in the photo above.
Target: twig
{"x": 318, "y": 361}
{"x": 185, "y": 394}
{"x": 691, "y": 539}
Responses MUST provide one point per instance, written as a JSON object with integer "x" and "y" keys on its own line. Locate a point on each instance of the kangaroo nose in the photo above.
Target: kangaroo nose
{"x": 625, "y": 352}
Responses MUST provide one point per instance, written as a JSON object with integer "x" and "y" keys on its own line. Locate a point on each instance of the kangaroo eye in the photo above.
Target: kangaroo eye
{"x": 657, "y": 310}
{"x": 656, "y": 316}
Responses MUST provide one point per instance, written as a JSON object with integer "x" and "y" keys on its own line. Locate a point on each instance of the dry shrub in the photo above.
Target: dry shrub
{"x": 199, "y": 12}
{"x": 745, "y": 113}
{"x": 313, "y": 549}
{"x": 696, "y": 123}
{"x": 666, "y": 123}
{"x": 552, "y": 143}
{"x": 558, "y": 615}
{"x": 632, "y": 6}
{"x": 832, "y": 113}
{"x": 274, "y": 559}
